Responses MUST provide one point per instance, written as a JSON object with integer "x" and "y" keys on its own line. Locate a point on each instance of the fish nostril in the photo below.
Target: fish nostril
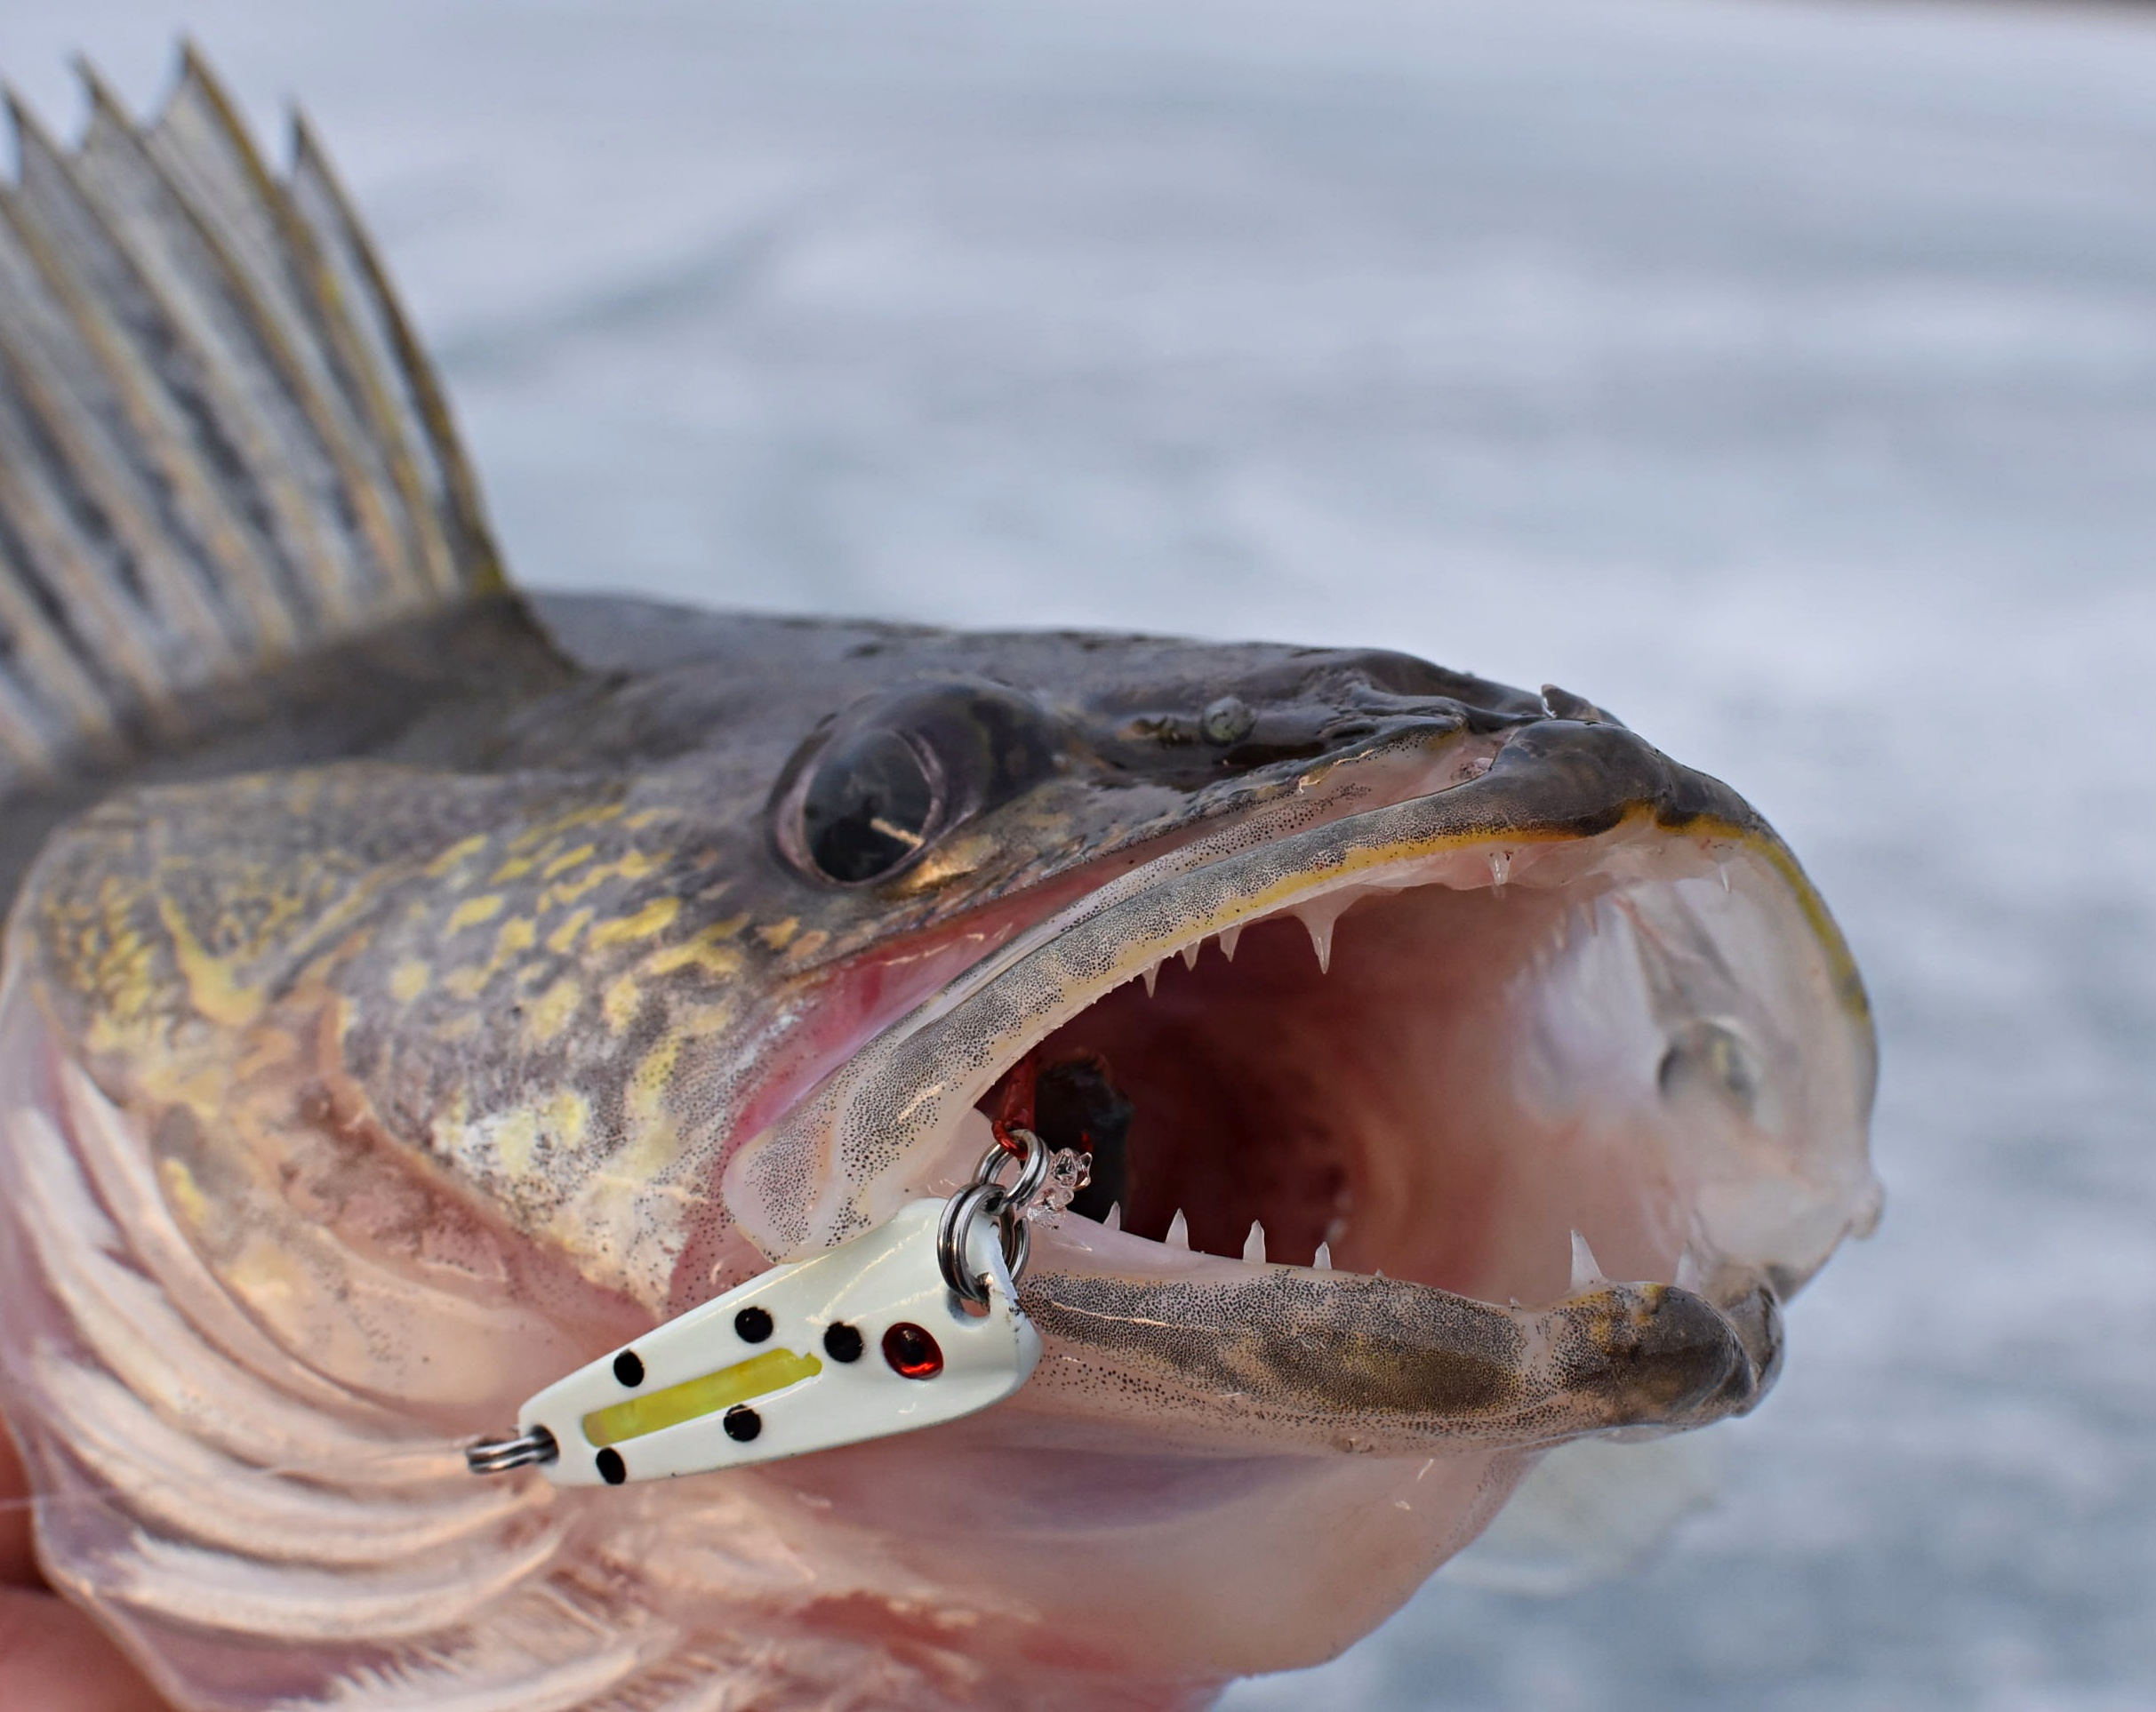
{"x": 1227, "y": 721}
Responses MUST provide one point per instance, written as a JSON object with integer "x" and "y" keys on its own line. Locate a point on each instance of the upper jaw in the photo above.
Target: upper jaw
{"x": 1221, "y": 1345}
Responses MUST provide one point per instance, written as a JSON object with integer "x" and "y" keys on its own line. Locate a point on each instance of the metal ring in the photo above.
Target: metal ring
{"x": 1017, "y": 1233}
{"x": 1031, "y": 1175}
{"x": 954, "y": 1234}
{"x": 494, "y": 1456}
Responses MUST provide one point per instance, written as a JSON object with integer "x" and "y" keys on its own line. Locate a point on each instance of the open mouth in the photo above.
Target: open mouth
{"x": 1348, "y": 1090}
{"x": 1473, "y": 1080}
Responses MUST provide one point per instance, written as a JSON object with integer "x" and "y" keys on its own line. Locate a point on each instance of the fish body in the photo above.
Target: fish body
{"x": 415, "y": 990}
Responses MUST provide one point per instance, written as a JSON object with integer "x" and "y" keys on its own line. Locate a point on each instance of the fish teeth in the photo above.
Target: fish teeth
{"x": 1254, "y": 1245}
{"x": 1114, "y": 1221}
{"x": 1189, "y": 953}
{"x": 1227, "y": 937}
{"x": 1586, "y": 1272}
{"x": 1500, "y": 867}
{"x": 1321, "y": 938}
{"x": 1691, "y": 1272}
{"x": 1179, "y": 1231}
{"x": 1322, "y": 1260}
{"x": 1152, "y": 978}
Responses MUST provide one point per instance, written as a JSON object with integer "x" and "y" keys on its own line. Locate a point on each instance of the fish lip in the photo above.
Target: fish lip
{"x": 1554, "y": 786}
{"x": 1325, "y": 1360}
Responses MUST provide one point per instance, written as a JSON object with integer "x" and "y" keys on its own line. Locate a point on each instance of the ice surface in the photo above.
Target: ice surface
{"x": 1783, "y": 377}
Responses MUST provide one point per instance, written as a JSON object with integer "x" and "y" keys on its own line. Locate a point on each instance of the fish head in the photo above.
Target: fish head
{"x": 1458, "y": 1075}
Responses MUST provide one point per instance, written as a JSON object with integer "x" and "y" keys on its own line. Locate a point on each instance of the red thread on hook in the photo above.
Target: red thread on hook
{"x": 1014, "y": 1105}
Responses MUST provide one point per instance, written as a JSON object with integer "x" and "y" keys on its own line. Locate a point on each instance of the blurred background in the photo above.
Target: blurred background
{"x": 1781, "y": 375}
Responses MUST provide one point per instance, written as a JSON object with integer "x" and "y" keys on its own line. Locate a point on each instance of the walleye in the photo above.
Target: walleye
{"x": 415, "y": 990}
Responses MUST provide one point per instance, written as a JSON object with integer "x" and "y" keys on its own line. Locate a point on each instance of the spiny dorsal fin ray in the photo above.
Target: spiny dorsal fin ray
{"x": 220, "y": 446}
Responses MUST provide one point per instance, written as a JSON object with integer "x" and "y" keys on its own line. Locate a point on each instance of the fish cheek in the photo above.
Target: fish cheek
{"x": 355, "y": 1257}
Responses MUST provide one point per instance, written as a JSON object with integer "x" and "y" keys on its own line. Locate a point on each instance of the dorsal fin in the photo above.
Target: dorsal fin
{"x": 221, "y": 445}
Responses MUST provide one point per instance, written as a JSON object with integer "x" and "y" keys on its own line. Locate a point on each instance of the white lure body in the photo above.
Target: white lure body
{"x": 862, "y": 1341}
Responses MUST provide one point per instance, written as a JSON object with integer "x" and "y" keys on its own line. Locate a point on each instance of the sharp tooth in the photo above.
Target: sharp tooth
{"x": 1253, "y": 1244}
{"x": 1691, "y": 1271}
{"x": 1227, "y": 937}
{"x": 1321, "y": 940}
{"x": 1322, "y": 1260}
{"x": 1500, "y": 867}
{"x": 1189, "y": 953}
{"x": 1152, "y": 978}
{"x": 1114, "y": 1221}
{"x": 1586, "y": 1273}
{"x": 1179, "y": 1231}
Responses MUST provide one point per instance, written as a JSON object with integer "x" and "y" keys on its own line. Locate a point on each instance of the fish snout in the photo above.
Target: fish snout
{"x": 1655, "y": 1356}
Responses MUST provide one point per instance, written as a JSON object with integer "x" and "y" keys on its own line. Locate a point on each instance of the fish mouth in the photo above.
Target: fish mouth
{"x": 1501, "y": 1112}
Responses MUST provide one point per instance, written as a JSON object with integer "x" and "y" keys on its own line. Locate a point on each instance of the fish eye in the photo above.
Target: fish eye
{"x": 872, "y": 803}
{"x": 868, "y": 794}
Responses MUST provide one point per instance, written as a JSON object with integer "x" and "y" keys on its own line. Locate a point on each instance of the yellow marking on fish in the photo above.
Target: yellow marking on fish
{"x": 410, "y": 980}
{"x": 463, "y": 1027}
{"x": 705, "y": 1021}
{"x": 565, "y": 936}
{"x": 594, "y": 815}
{"x": 458, "y": 852}
{"x": 565, "y": 891}
{"x": 654, "y": 917}
{"x": 275, "y": 1284}
{"x": 184, "y": 1195}
{"x": 515, "y": 1136}
{"x": 650, "y": 1128}
{"x": 514, "y": 868}
{"x": 563, "y": 863}
{"x": 550, "y": 1012}
{"x": 622, "y": 1002}
{"x": 472, "y": 911}
{"x": 808, "y": 945}
{"x": 777, "y": 934}
{"x": 516, "y": 936}
{"x": 705, "y": 950}
{"x": 693, "y": 1399}
{"x": 211, "y": 984}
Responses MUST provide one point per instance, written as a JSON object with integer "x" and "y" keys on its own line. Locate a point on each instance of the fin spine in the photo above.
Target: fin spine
{"x": 222, "y": 445}
{"x": 482, "y": 571}
{"x": 152, "y": 419}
